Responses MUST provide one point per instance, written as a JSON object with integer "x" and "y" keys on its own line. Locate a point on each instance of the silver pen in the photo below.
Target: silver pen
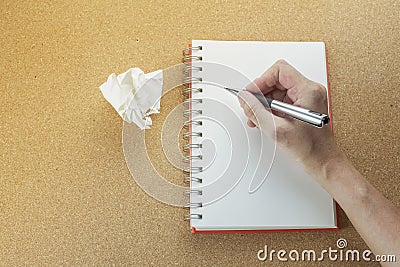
{"x": 312, "y": 117}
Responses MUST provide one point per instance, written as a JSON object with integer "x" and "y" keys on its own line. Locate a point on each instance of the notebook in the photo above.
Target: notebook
{"x": 240, "y": 181}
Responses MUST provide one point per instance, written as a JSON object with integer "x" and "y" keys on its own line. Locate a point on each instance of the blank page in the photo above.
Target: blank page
{"x": 235, "y": 155}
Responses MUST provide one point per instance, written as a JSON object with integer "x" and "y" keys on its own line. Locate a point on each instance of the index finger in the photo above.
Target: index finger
{"x": 280, "y": 75}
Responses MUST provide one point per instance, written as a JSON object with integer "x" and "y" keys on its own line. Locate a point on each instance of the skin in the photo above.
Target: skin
{"x": 375, "y": 218}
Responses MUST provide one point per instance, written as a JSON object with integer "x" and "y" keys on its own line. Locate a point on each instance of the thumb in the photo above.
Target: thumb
{"x": 257, "y": 113}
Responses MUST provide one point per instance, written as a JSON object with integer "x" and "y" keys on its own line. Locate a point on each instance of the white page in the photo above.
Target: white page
{"x": 289, "y": 198}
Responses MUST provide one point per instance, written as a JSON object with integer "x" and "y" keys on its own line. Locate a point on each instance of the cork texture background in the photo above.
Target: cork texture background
{"x": 66, "y": 195}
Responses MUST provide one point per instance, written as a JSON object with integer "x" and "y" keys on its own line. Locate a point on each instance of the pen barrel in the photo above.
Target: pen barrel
{"x": 315, "y": 118}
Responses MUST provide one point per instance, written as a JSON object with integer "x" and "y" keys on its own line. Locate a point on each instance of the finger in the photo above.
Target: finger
{"x": 280, "y": 75}
{"x": 251, "y": 124}
{"x": 287, "y": 100}
{"x": 257, "y": 113}
{"x": 314, "y": 97}
{"x": 278, "y": 94}
{"x": 258, "y": 86}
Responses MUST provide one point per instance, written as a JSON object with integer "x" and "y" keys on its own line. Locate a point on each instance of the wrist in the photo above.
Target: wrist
{"x": 321, "y": 165}
{"x": 339, "y": 175}
{"x": 331, "y": 166}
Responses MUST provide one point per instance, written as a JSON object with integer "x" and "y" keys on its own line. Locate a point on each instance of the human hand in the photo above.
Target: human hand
{"x": 313, "y": 146}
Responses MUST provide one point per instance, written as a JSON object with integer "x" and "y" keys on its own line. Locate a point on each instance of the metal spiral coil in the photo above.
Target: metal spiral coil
{"x": 189, "y": 179}
{"x": 188, "y": 192}
{"x": 192, "y": 102}
{"x": 192, "y": 216}
{"x": 189, "y": 69}
{"x": 188, "y": 50}
{"x": 191, "y": 80}
{"x": 190, "y": 158}
{"x": 193, "y": 205}
{"x": 188, "y": 135}
{"x": 190, "y": 90}
{"x": 187, "y": 124}
{"x": 188, "y": 58}
{"x": 190, "y": 170}
{"x": 187, "y": 147}
{"x": 189, "y": 112}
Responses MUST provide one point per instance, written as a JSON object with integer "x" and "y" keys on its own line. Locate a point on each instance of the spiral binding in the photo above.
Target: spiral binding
{"x": 193, "y": 205}
{"x": 190, "y": 158}
{"x": 191, "y": 170}
{"x": 192, "y": 216}
{"x": 189, "y": 192}
{"x": 189, "y": 92}
{"x": 189, "y": 179}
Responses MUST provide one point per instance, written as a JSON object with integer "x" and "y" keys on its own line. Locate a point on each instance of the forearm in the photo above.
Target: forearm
{"x": 374, "y": 217}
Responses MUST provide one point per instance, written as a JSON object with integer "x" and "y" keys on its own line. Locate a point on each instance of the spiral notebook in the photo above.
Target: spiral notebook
{"x": 240, "y": 181}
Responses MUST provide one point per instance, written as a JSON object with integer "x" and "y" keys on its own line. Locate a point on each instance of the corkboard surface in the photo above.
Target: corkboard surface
{"x": 66, "y": 195}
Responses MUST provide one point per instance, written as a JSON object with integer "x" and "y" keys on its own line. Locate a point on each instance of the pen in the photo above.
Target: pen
{"x": 312, "y": 117}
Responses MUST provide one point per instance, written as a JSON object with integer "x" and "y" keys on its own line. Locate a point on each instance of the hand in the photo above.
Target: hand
{"x": 313, "y": 146}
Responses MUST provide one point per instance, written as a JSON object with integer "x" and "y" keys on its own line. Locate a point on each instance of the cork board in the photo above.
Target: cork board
{"x": 67, "y": 197}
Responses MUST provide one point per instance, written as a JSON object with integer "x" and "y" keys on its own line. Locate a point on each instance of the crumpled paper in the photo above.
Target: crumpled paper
{"x": 134, "y": 95}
